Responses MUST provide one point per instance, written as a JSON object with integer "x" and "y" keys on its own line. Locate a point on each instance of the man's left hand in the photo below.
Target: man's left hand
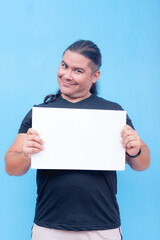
{"x": 130, "y": 140}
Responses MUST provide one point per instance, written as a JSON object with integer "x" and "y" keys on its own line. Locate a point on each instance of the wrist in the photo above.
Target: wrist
{"x": 27, "y": 156}
{"x": 135, "y": 156}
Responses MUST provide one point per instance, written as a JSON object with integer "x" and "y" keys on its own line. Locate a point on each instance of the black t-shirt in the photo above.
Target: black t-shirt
{"x": 76, "y": 200}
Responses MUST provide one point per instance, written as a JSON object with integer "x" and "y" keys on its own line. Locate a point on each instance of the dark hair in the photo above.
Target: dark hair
{"x": 91, "y": 51}
{"x": 88, "y": 49}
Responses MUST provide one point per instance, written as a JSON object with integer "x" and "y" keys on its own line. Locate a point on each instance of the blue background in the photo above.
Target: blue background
{"x": 34, "y": 33}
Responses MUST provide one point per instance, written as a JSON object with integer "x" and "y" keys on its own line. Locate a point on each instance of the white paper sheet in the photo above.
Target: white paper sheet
{"x": 79, "y": 139}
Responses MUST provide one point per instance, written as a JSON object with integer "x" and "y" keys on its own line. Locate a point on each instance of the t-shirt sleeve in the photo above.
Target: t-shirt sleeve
{"x": 129, "y": 122}
{"x": 26, "y": 123}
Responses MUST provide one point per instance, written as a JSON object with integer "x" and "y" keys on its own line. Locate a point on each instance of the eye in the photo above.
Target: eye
{"x": 64, "y": 65}
{"x": 79, "y": 71}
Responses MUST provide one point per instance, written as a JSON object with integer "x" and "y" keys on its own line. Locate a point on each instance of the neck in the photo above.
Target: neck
{"x": 74, "y": 100}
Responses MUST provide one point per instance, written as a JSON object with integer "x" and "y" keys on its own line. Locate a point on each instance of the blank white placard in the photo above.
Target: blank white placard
{"x": 83, "y": 139}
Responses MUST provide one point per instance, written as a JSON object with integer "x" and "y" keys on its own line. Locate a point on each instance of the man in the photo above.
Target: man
{"x": 76, "y": 204}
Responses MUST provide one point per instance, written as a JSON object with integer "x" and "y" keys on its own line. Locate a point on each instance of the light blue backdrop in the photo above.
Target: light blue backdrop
{"x": 34, "y": 34}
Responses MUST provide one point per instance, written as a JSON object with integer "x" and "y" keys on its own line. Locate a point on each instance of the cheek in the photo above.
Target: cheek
{"x": 60, "y": 72}
{"x": 83, "y": 80}
{"x": 88, "y": 82}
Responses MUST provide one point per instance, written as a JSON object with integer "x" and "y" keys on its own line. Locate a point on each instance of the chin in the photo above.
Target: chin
{"x": 66, "y": 91}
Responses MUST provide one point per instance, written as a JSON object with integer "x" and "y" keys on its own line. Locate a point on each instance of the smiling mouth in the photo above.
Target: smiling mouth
{"x": 68, "y": 83}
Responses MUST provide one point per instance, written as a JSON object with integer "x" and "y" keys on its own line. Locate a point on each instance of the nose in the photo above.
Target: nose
{"x": 68, "y": 74}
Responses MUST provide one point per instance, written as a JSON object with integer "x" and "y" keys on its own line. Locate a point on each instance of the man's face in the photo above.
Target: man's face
{"x": 75, "y": 77}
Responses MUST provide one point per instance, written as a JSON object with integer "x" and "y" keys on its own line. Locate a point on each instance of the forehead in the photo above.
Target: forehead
{"x": 74, "y": 59}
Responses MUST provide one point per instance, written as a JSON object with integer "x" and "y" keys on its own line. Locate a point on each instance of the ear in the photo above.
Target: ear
{"x": 95, "y": 76}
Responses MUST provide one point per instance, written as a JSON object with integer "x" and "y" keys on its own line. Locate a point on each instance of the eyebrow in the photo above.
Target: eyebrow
{"x": 79, "y": 68}
{"x": 64, "y": 62}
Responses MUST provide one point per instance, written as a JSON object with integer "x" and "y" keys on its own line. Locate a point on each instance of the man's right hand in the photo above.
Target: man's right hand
{"x": 32, "y": 143}
{"x": 18, "y": 157}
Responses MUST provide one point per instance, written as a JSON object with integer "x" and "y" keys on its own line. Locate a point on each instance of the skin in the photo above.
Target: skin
{"x": 75, "y": 77}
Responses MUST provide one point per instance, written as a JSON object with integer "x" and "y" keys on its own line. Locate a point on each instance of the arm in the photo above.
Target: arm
{"x": 132, "y": 143}
{"x": 18, "y": 157}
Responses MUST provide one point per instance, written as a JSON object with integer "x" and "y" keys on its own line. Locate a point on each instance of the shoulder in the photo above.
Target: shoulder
{"x": 106, "y": 104}
{"x": 27, "y": 121}
{"x": 42, "y": 104}
{"x": 109, "y": 105}
{"x": 56, "y": 103}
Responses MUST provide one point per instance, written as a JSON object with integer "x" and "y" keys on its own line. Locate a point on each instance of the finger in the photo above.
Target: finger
{"x": 130, "y": 136}
{"x": 29, "y": 151}
{"x": 132, "y": 144}
{"x": 34, "y": 138}
{"x": 128, "y": 133}
{"x": 31, "y": 131}
{"x": 126, "y": 127}
{"x": 128, "y": 139}
{"x": 32, "y": 144}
